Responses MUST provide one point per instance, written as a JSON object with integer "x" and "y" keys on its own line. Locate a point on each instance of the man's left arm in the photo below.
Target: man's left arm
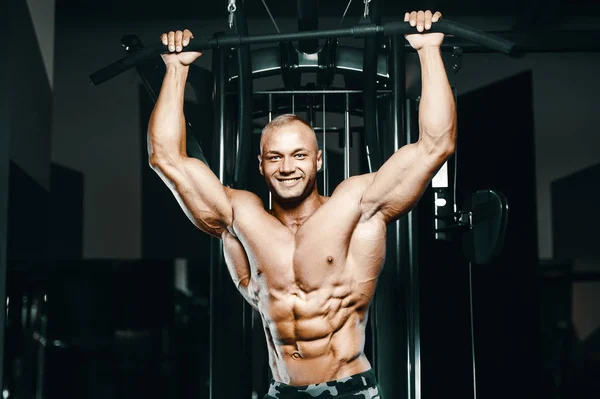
{"x": 402, "y": 179}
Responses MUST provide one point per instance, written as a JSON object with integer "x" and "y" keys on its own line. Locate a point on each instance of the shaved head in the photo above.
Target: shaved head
{"x": 289, "y": 121}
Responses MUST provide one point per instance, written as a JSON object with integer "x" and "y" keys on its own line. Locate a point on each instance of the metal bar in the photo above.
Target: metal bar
{"x": 413, "y": 277}
{"x": 228, "y": 41}
{"x": 271, "y": 16}
{"x": 534, "y": 42}
{"x": 312, "y": 91}
{"x": 319, "y": 129}
{"x": 242, "y": 159}
{"x": 347, "y": 138}
{"x": 308, "y": 20}
{"x": 270, "y": 119}
{"x": 7, "y": 71}
{"x": 240, "y": 173}
{"x": 332, "y": 129}
{"x": 216, "y": 387}
{"x": 41, "y": 363}
{"x": 309, "y": 112}
{"x": 470, "y": 40}
{"x": 371, "y": 136}
{"x": 293, "y": 103}
{"x": 388, "y": 29}
{"x": 325, "y": 179}
{"x": 398, "y": 230}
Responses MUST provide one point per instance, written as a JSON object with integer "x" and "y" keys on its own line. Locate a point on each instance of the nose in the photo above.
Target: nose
{"x": 287, "y": 166}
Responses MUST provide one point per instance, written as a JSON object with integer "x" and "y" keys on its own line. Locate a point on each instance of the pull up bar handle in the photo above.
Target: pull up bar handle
{"x": 388, "y": 29}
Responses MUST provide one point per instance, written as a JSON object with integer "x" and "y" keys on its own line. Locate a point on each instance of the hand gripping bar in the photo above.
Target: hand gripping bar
{"x": 388, "y": 29}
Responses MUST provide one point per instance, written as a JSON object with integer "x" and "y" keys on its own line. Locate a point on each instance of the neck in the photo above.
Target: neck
{"x": 294, "y": 214}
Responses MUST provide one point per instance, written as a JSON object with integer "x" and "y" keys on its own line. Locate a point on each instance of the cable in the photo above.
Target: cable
{"x": 344, "y": 15}
{"x": 455, "y": 161}
{"x": 472, "y": 329}
{"x": 271, "y": 16}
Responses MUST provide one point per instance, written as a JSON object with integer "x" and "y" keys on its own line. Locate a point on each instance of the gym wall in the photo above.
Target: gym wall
{"x": 31, "y": 96}
{"x": 565, "y": 105}
{"x": 25, "y": 126}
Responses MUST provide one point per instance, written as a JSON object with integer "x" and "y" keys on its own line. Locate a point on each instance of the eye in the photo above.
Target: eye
{"x": 300, "y": 156}
{"x": 274, "y": 157}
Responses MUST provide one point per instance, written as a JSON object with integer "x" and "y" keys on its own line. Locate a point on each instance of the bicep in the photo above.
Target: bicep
{"x": 400, "y": 183}
{"x": 202, "y": 197}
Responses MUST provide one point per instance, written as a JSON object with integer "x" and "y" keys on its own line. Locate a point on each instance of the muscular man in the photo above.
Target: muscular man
{"x": 310, "y": 264}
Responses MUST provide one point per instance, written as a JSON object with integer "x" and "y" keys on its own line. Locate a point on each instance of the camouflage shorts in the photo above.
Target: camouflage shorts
{"x": 358, "y": 386}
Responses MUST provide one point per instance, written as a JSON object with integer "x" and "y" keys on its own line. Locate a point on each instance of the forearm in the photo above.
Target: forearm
{"x": 437, "y": 108}
{"x": 166, "y": 130}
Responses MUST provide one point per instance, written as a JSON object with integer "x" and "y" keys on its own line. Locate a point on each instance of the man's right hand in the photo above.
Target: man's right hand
{"x": 176, "y": 42}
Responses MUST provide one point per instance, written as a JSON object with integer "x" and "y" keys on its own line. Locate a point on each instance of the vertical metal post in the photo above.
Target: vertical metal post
{"x": 413, "y": 280}
{"x": 370, "y": 118}
{"x": 325, "y": 172}
{"x": 347, "y": 138}
{"x": 6, "y": 71}
{"x": 270, "y": 119}
{"x": 293, "y": 103}
{"x": 242, "y": 158}
{"x": 308, "y": 20}
{"x": 41, "y": 364}
{"x": 309, "y": 111}
{"x": 224, "y": 298}
{"x": 391, "y": 322}
{"x": 216, "y": 263}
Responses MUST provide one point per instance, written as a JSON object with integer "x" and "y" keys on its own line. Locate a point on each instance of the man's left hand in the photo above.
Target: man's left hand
{"x": 423, "y": 20}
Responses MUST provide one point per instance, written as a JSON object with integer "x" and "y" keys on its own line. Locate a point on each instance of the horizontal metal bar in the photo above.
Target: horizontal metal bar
{"x": 329, "y": 130}
{"x": 545, "y": 42}
{"x": 388, "y": 29}
{"x": 391, "y": 28}
{"x": 308, "y": 92}
{"x": 266, "y": 92}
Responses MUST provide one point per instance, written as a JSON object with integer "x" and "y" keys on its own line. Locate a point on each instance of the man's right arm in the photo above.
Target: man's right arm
{"x": 203, "y": 198}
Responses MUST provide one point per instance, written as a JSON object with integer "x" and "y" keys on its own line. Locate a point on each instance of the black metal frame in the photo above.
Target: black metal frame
{"x": 364, "y": 30}
{"x": 7, "y": 70}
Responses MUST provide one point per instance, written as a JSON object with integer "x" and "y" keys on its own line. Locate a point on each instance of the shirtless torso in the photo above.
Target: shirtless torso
{"x": 312, "y": 286}
{"x": 310, "y": 265}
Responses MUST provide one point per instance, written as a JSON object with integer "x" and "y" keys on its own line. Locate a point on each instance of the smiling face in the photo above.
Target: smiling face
{"x": 290, "y": 159}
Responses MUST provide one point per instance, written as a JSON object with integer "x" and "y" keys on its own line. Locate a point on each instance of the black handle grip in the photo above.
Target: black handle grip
{"x": 204, "y": 43}
{"x": 457, "y": 29}
{"x": 124, "y": 64}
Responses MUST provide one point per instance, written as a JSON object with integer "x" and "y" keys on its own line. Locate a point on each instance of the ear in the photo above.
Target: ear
{"x": 319, "y": 160}
{"x": 260, "y": 165}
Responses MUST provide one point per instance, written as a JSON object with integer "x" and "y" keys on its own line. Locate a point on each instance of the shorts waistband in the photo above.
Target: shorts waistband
{"x": 354, "y": 383}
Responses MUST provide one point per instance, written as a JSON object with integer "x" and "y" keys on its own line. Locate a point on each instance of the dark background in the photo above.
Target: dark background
{"x": 73, "y": 176}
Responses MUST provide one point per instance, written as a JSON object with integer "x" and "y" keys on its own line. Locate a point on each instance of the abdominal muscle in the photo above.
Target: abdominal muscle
{"x": 315, "y": 337}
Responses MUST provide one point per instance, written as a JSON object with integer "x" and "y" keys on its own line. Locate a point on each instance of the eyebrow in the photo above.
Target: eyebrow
{"x": 273, "y": 152}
